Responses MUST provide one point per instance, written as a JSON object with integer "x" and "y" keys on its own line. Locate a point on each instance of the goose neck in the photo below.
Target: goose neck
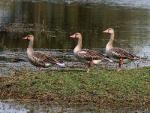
{"x": 110, "y": 43}
{"x": 30, "y": 44}
{"x": 78, "y": 46}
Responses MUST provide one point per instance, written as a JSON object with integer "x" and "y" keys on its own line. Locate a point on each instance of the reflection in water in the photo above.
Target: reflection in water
{"x": 35, "y": 107}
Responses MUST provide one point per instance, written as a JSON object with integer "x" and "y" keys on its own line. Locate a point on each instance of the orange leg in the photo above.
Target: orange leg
{"x": 89, "y": 64}
{"x": 121, "y": 61}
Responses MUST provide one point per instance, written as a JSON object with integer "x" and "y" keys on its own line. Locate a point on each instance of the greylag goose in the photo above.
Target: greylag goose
{"x": 40, "y": 59}
{"x": 117, "y": 53}
{"x": 89, "y": 56}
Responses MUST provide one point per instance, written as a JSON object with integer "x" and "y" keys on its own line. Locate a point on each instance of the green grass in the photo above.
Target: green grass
{"x": 123, "y": 85}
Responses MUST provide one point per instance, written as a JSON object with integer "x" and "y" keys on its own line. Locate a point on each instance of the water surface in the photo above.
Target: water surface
{"x": 35, "y": 107}
{"x": 52, "y": 23}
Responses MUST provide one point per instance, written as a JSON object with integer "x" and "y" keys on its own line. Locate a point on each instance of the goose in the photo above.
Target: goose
{"x": 40, "y": 59}
{"x": 115, "y": 52}
{"x": 88, "y": 56}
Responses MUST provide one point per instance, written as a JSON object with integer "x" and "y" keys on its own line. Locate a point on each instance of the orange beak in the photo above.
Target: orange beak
{"x": 25, "y": 38}
{"x": 73, "y": 36}
{"x": 106, "y": 31}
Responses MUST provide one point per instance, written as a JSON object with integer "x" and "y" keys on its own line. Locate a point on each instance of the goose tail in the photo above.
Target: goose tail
{"x": 62, "y": 65}
{"x": 107, "y": 59}
{"x": 140, "y": 58}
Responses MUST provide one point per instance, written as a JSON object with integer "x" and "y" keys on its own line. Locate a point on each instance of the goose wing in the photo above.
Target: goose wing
{"x": 42, "y": 58}
{"x": 121, "y": 53}
{"x": 90, "y": 54}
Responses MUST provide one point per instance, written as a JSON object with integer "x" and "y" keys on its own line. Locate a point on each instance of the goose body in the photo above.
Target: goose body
{"x": 90, "y": 56}
{"x": 40, "y": 59}
{"x": 120, "y": 53}
{"x": 86, "y": 55}
{"x": 115, "y": 52}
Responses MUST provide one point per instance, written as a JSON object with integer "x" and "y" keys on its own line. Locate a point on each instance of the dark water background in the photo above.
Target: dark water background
{"x": 52, "y": 21}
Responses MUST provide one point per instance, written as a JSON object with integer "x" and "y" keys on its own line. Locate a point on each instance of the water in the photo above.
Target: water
{"x": 52, "y": 24}
{"x": 35, "y": 107}
{"x": 52, "y": 21}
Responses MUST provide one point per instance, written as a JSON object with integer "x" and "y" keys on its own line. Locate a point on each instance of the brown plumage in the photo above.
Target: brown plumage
{"x": 115, "y": 52}
{"x": 89, "y": 55}
{"x": 121, "y": 53}
{"x": 40, "y": 59}
{"x": 86, "y": 55}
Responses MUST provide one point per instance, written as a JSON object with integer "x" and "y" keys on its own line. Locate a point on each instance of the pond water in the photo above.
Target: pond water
{"x": 52, "y": 21}
{"x": 35, "y": 107}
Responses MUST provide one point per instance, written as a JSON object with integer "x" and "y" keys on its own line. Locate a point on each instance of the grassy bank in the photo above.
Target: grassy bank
{"x": 99, "y": 87}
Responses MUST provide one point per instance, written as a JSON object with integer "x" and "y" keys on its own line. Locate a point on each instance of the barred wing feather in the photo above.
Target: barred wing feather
{"x": 89, "y": 54}
{"x": 121, "y": 53}
{"x": 42, "y": 58}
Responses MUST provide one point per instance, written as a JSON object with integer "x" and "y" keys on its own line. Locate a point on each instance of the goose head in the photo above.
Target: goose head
{"x": 76, "y": 36}
{"x": 29, "y": 37}
{"x": 109, "y": 31}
